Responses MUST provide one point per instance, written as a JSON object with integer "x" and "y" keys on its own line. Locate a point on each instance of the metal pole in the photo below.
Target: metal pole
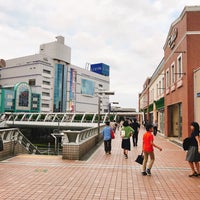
{"x": 49, "y": 147}
{"x": 99, "y": 114}
{"x": 58, "y": 125}
{"x": 55, "y": 147}
{"x": 58, "y": 146}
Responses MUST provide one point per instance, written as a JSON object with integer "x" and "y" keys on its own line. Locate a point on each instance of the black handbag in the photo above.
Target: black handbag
{"x": 186, "y": 143}
{"x": 140, "y": 159}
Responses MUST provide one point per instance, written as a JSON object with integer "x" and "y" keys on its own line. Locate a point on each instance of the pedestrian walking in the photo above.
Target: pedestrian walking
{"x": 136, "y": 127}
{"x": 106, "y": 132}
{"x": 193, "y": 154}
{"x": 126, "y": 133}
{"x": 155, "y": 127}
{"x": 148, "y": 150}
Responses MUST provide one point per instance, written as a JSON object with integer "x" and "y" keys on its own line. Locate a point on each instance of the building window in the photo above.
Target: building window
{"x": 163, "y": 85}
{"x": 172, "y": 73}
{"x": 60, "y": 88}
{"x": 45, "y": 105}
{"x": 46, "y": 94}
{"x": 151, "y": 95}
{"x": 167, "y": 79}
{"x": 32, "y": 82}
{"x": 46, "y": 71}
{"x": 160, "y": 88}
{"x": 179, "y": 67}
{"x": 46, "y": 82}
{"x": 157, "y": 91}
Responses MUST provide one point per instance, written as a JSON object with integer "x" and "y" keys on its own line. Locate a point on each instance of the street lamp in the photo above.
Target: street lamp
{"x": 99, "y": 104}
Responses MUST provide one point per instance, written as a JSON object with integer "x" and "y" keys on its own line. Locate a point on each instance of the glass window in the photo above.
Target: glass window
{"x": 45, "y": 105}
{"x": 179, "y": 67}
{"x": 172, "y": 73}
{"x": 160, "y": 88}
{"x": 46, "y": 82}
{"x": 24, "y": 98}
{"x": 46, "y": 71}
{"x": 87, "y": 87}
{"x": 60, "y": 88}
{"x": 163, "y": 84}
{"x": 46, "y": 94}
{"x": 167, "y": 79}
{"x": 32, "y": 82}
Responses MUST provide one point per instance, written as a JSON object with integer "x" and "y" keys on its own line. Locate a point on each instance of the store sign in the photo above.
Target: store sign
{"x": 172, "y": 38}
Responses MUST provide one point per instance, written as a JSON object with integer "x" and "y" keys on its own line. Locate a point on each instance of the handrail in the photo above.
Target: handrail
{"x": 15, "y": 135}
{"x": 53, "y": 117}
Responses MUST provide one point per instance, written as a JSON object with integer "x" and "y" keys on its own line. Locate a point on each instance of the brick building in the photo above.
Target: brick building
{"x": 180, "y": 74}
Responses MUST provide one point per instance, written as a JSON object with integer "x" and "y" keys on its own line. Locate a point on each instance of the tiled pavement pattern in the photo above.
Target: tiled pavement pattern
{"x": 105, "y": 177}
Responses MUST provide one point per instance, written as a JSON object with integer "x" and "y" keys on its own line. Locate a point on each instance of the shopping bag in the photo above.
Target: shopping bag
{"x": 112, "y": 134}
{"x": 140, "y": 159}
{"x": 122, "y": 133}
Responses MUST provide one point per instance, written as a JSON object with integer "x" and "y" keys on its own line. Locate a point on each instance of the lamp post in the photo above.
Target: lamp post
{"x": 99, "y": 104}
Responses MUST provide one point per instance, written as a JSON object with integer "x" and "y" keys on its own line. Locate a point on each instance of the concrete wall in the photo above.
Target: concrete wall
{"x": 12, "y": 149}
{"x": 73, "y": 151}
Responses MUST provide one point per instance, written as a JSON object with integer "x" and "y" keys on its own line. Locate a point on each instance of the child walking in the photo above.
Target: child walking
{"x": 148, "y": 150}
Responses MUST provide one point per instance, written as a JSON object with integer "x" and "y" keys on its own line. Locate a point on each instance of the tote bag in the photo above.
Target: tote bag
{"x": 140, "y": 159}
{"x": 112, "y": 134}
{"x": 122, "y": 133}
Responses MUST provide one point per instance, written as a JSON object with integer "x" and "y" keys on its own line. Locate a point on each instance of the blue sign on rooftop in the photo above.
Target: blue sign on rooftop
{"x": 100, "y": 68}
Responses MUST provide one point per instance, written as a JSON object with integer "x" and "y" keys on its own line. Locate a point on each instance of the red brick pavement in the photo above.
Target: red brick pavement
{"x": 105, "y": 177}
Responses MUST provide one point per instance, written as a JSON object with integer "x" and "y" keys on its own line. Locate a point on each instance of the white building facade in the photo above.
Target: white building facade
{"x": 62, "y": 86}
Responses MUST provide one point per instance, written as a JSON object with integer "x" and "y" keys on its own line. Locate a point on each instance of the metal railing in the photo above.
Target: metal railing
{"x": 55, "y": 117}
{"x": 63, "y": 120}
{"x": 14, "y": 135}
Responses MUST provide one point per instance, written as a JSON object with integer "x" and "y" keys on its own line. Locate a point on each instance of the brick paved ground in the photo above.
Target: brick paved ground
{"x": 105, "y": 177}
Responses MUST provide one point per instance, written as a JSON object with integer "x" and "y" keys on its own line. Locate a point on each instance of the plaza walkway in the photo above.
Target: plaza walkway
{"x": 101, "y": 177}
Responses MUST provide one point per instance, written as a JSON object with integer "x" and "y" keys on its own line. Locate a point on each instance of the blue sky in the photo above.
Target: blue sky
{"x": 128, "y": 35}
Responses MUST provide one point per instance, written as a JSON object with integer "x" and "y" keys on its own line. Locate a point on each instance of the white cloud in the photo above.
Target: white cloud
{"x": 128, "y": 35}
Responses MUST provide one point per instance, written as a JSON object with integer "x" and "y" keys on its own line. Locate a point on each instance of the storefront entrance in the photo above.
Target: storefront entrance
{"x": 175, "y": 120}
